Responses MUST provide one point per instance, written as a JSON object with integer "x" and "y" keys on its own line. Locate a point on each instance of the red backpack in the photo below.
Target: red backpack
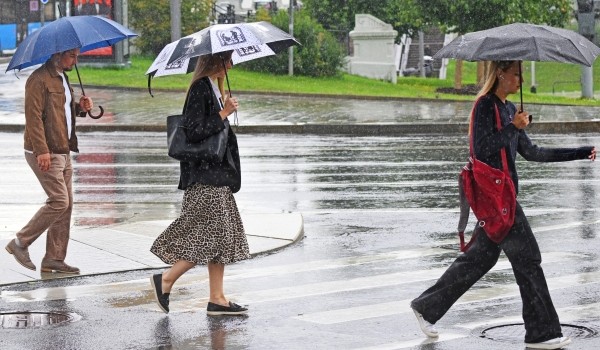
{"x": 489, "y": 192}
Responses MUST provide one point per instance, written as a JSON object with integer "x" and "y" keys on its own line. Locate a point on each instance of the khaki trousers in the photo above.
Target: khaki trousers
{"x": 55, "y": 215}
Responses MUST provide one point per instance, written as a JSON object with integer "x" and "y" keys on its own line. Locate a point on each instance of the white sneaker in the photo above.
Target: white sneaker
{"x": 427, "y": 328}
{"x": 556, "y": 343}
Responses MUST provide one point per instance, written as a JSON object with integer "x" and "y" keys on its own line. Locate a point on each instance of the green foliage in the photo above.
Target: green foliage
{"x": 460, "y": 16}
{"x": 463, "y": 16}
{"x": 262, "y": 14}
{"x": 319, "y": 55}
{"x": 345, "y": 84}
{"x": 403, "y": 15}
{"x": 152, "y": 20}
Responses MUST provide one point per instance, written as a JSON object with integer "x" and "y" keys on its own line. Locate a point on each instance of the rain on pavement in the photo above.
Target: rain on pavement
{"x": 380, "y": 218}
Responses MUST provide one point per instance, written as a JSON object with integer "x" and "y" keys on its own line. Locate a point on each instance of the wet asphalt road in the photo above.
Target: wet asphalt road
{"x": 380, "y": 216}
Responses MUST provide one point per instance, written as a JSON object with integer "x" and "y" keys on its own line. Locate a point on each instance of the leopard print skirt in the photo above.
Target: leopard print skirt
{"x": 209, "y": 229}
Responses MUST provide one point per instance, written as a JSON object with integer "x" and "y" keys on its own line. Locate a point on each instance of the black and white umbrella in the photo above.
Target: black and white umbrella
{"x": 248, "y": 41}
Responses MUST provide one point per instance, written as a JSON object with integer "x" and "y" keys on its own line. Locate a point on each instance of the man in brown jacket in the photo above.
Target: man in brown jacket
{"x": 50, "y": 112}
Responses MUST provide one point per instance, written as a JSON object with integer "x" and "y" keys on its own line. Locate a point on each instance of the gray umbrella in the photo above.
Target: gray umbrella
{"x": 522, "y": 42}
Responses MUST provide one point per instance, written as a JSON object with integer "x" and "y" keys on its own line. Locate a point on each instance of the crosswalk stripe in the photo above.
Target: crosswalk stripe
{"x": 474, "y": 295}
{"x": 566, "y": 314}
{"x": 232, "y": 274}
{"x": 354, "y": 284}
{"x": 297, "y": 291}
{"x": 236, "y": 273}
{"x": 414, "y": 342}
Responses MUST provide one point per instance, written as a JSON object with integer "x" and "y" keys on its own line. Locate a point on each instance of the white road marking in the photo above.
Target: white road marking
{"x": 297, "y": 291}
{"x": 414, "y": 342}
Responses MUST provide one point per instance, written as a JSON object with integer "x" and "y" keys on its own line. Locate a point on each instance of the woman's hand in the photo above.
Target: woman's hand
{"x": 521, "y": 120}
{"x": 592, "y": 155}
{"x": 231, "y": 105}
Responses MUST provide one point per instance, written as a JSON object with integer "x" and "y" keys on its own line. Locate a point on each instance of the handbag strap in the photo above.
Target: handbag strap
{"x": 498, "y": 127}
{"x": 187, "y": 97}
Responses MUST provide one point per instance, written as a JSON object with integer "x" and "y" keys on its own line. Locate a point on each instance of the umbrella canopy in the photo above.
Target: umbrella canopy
{"x": 522, "y": 42}
{"x": 247, "y": 41}
{"x": 66, "y": 33}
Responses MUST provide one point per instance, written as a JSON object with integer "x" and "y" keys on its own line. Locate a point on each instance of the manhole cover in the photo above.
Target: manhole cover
{"x": 35, "y": 319}
{"x": 515, "y": 333}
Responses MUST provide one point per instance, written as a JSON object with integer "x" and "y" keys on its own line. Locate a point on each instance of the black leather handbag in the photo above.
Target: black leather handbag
{"x": 210, "y": 150}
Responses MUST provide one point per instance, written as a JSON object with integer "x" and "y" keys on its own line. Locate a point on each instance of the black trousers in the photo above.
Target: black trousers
{"x": 521, "y": 248}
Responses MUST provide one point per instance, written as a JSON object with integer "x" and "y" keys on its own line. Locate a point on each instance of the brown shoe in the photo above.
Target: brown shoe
{"x": 49, "y": 265}
{"x": 20, "y": 254}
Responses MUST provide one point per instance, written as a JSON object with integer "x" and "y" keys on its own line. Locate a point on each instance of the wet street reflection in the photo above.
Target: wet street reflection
{"x": 136, "y": 106}
{"x": 380, "y": 216}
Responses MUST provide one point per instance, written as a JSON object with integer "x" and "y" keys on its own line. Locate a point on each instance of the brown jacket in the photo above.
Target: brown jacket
{"x": 45, "y": 124}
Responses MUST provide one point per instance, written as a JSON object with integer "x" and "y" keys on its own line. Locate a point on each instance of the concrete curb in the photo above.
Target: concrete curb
{"x": 562, "y": 127}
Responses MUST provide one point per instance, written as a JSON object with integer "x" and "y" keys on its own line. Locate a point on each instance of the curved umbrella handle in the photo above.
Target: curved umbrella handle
{"x": 96, "y": 116}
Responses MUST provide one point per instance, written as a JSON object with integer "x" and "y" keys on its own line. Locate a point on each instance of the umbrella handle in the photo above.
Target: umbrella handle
{"x": 96, "y": 116}
{"x": 521, "y": 93}
{"x": 83, "y": 93}
{"x": 235, "y": 117}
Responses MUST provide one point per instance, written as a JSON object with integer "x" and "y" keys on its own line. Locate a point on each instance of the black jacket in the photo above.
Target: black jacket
{"x": 201, "y": 118}
{"x": 489, "y": 141}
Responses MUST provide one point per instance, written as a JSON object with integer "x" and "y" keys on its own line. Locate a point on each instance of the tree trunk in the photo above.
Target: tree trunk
{"x": 458, "y": 75}
{"x": 481, "y": 71}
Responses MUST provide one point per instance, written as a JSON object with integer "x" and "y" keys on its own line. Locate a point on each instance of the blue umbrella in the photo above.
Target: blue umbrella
{"x": 66, "y": 33}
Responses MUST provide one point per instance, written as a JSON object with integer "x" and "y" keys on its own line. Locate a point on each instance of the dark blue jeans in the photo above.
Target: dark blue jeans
{"x": 521, "y": 248}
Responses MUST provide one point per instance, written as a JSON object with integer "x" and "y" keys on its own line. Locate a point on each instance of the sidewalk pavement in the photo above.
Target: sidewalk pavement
{"x": 125, "y": 247}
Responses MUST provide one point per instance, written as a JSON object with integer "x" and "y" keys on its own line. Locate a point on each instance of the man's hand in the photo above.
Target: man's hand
{"x": 86, "y": 104}
{"x": 43, "y": 161}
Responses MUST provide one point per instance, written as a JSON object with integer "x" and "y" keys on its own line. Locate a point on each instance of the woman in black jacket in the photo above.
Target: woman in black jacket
{"x": 209, "y": 230}
{"x": 542, "y": 326}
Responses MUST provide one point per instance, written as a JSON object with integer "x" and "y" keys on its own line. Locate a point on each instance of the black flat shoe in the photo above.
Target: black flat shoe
{"x": 213, "y": 309}
{"x": 162, "y": 299}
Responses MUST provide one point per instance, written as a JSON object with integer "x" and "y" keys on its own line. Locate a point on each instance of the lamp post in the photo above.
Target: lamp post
{"x": 175, "y": 20}
{"x": 291, "y": 48}
{"x": 587, "y": 26}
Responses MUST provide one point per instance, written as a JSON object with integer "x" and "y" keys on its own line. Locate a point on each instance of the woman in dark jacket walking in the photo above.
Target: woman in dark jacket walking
{"x": 209, "y": 230}
{"x": 542, "y": 326}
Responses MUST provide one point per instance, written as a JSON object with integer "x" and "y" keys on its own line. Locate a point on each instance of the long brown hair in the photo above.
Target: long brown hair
{"x": 491, "y": 79}
{"x": 491, "y": 82}
{"x": 208, "y": 65}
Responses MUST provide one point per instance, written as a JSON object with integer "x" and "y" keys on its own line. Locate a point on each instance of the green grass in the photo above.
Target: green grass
{"x": 407, "y": 87}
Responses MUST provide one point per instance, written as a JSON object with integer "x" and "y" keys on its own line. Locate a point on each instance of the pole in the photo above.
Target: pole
{"x": 587, "y": 82}
{"x": 422, "y": 53}
{"x": 587, "y": 27}
{"x": 175, "y": 20}
{"x": 291, "y": 48}
{"x": 42, "y": 14}
{"x": 118, "y": 47}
